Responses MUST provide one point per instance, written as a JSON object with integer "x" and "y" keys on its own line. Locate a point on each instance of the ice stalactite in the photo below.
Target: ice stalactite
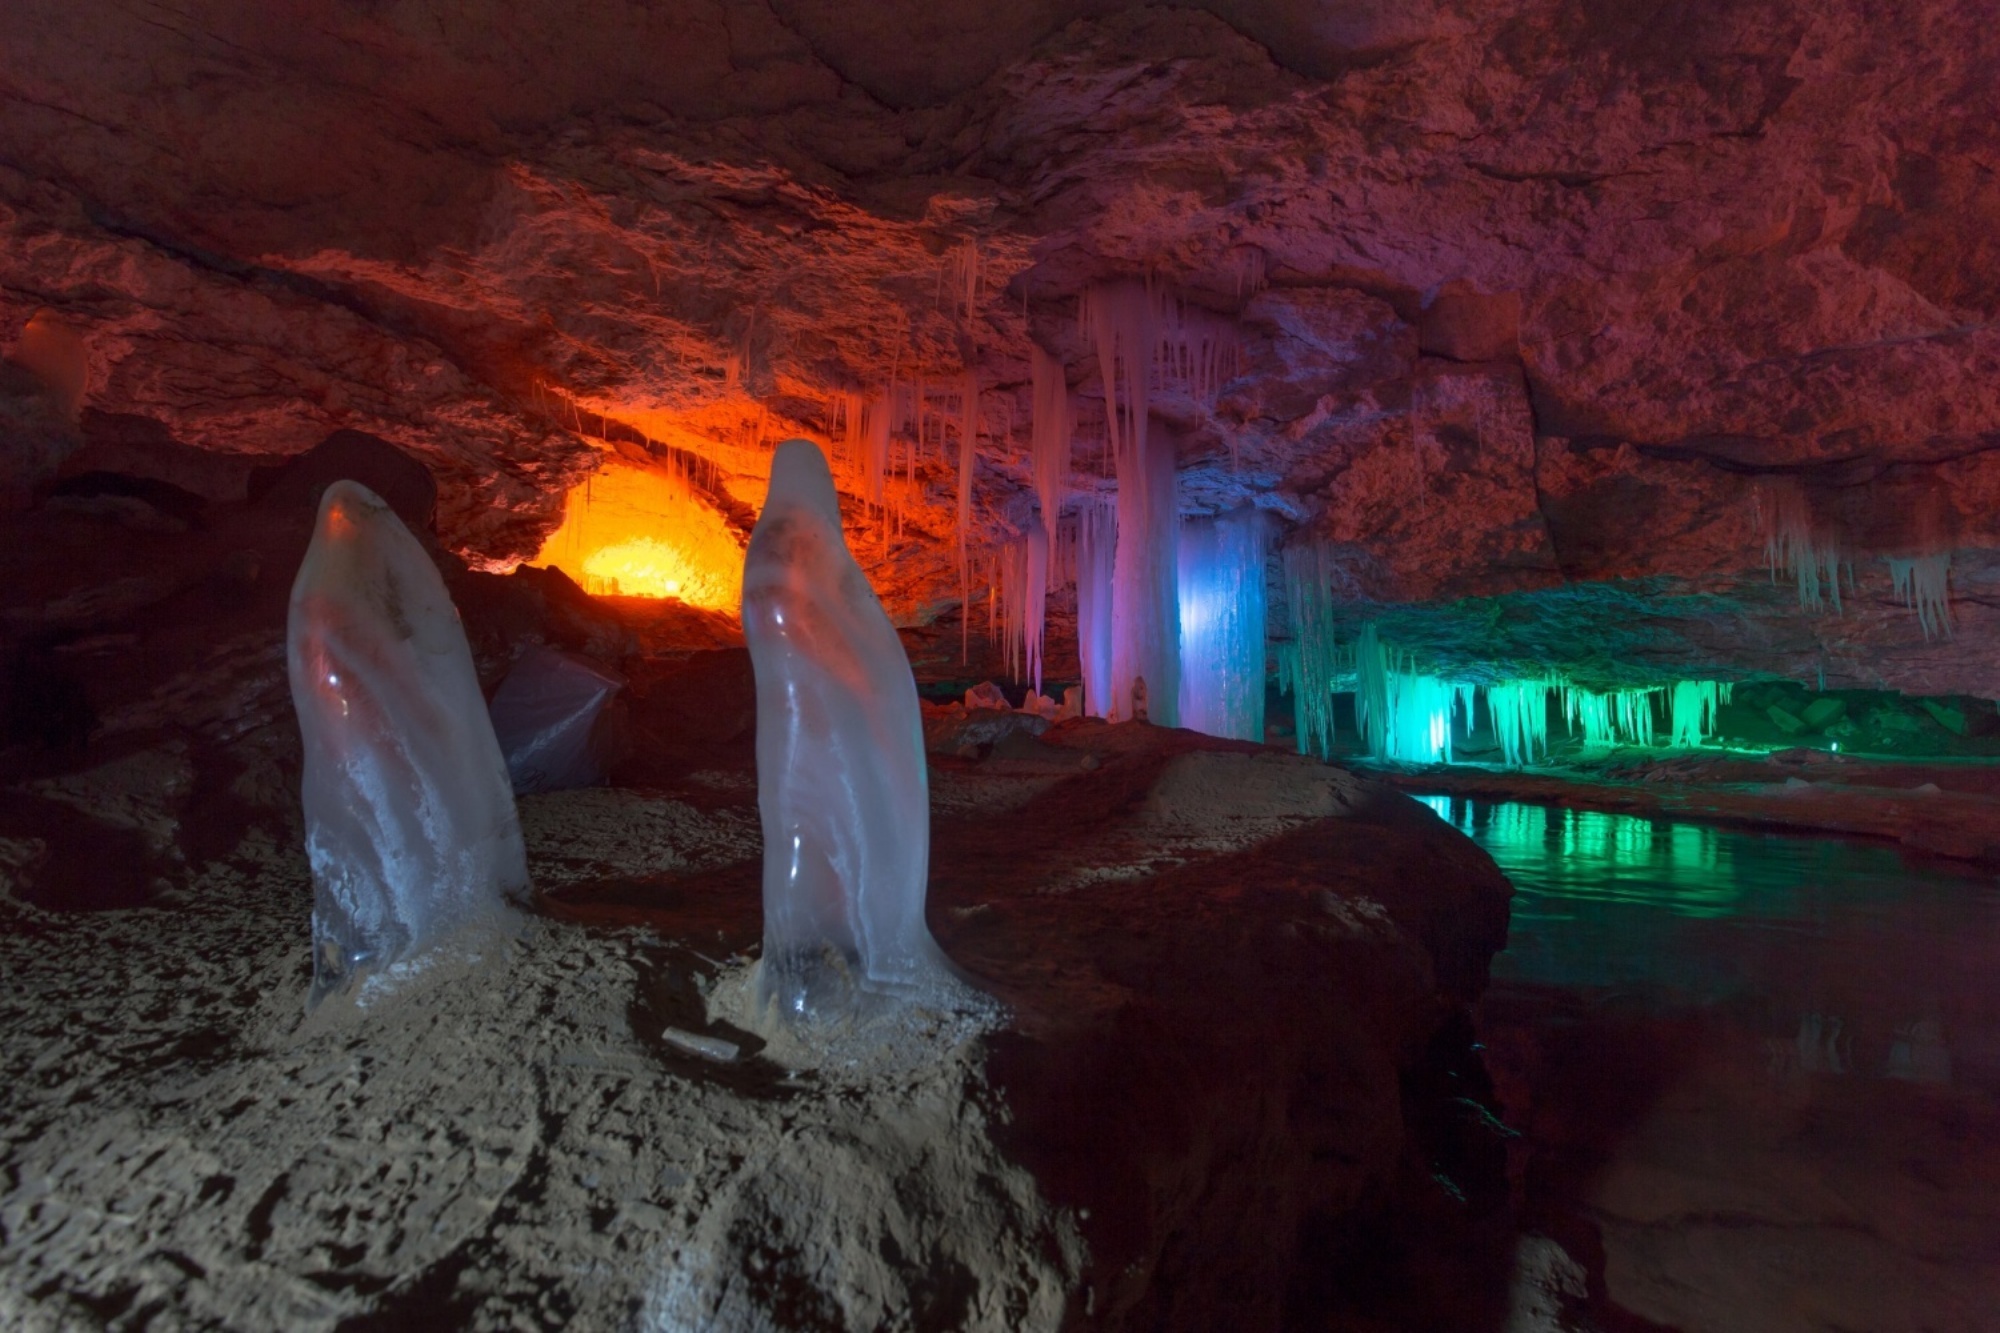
{"x": 1610, "y": 716}
{"x": 968, "y": 435}
{"x": 1024, "y": 588}
{"x": 968, "y": 441}
{"x": 1221, "y": 590}
{"x": 1096, "y": 547}
{"x": 410, "y": 823}
{"x": 1520, "y": 713}
{"x": 1923, "y": 583}
{"x": 1404, "y": 715}
{"x": 842, "y": 789}
{"x": 1122, "y": 323}
{"x": 1309, "y": 665}
{"x": 1693, "y": 710}
{"x": 1811, "y": 553}
{"x": 1051, "y": 429}
{"x": 876, "y": 419}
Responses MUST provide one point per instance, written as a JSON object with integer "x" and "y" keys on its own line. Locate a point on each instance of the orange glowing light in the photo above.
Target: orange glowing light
{"x": 636, "y": 532}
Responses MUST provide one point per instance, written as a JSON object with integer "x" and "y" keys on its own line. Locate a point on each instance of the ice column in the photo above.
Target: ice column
{"x": 410, "y": 825}
{"x": 1222, "y": 625}
{"x": 841, "y": 784}
{"x": 1096, "y": 545}
{"x": 1122, "y": 322}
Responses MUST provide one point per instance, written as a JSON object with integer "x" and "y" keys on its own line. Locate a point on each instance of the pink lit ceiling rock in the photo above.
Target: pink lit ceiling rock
{"x": 1527, "y": 294}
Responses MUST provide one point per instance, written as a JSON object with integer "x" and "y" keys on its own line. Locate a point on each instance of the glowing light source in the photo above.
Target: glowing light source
{"x": 639, "y": 532}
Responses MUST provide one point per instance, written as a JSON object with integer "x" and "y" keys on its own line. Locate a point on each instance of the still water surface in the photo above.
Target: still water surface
{"x": 1757, "y": 1076}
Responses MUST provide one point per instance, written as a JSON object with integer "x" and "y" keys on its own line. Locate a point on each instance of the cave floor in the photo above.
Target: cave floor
{"x": 1221, "y": 969}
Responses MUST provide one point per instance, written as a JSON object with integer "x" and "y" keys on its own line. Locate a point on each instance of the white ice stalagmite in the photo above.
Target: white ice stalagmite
{"x": 841, "y": 783}
{"x": 410, "y": 823}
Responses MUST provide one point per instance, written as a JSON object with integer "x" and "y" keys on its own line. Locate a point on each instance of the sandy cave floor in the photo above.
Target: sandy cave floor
{"x": 1215, "y": 967}
{"x": 179, "y": 1153}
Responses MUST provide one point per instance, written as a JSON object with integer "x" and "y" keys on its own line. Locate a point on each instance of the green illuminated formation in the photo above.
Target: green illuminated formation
{"x": 1407, "y": 716}
{"x": 1520, "y": 712}
{"x": 1695, "y": 706}
{"x": 1403, "y": 714}
{"x": 1610, "y": 716}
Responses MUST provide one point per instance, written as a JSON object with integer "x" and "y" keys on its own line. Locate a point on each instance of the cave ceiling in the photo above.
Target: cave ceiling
{"x": 1531, "y": 300}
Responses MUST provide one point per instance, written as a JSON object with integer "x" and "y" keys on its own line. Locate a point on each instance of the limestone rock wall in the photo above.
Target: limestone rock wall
{"x": 1528, "y": 296}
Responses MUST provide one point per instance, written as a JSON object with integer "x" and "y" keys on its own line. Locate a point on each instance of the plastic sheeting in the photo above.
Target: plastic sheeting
{"x": 551, "y": 719}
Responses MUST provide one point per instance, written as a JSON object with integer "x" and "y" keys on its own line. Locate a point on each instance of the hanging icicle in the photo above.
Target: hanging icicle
{"x": 1051, "y": 428}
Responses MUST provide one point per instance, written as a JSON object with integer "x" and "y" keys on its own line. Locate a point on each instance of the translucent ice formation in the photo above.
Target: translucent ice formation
{"x": 1310, "y": 664}
{"x": 1923, "y": 583}
{"x": 1052, "y": 425}
{"x": 1024, "y": 592}
{"x": 549, "y": 716}
{"x": 1403, "y": 714}
{"x": 1221, "y": 589}
{"x": 1122, "y": 322}
{"x": 841, "y": 783}
{"x": 1695, "y": 708}
{"x": 410, "y": 824}
{"x": 1520, "y": 713}
{"x": 1096, "y": 546}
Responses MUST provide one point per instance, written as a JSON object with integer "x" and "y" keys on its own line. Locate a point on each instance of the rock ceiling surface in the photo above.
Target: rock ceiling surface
{"x": 1535, "y": 301}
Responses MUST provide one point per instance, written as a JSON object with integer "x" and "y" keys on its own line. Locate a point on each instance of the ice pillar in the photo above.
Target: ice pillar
{"x": 1122, "y": 322}
{"x": 1221, "y": 597}
{"x": 410, "y": 824}
{"x": 841, "y": 784}
{"x": 1096, "y": 544}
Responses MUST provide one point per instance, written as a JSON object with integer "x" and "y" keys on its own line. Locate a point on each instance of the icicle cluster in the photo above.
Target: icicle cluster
{"x": 1923, "y": 583}
{"x": 1308, "y": 665}
{"x": 1810, "y": 553}
{"x": 1520, "y": 713}
{"x": 1404, "y": 715}
{"x": 1024, "y": 585}
{"x": 1221, "y": 590}
{"x": 1609, "y": 716}
{"x": 1121, "y": 322}
{"x": 1051, "y": 427}
{"x": 1694, "y": 708}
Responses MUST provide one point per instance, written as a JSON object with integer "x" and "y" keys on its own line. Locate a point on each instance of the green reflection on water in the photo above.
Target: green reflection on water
{"x": 1596, "y": 854}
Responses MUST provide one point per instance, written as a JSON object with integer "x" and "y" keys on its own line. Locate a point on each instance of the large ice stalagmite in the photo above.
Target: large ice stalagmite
{"x": 841, "y": 783}
{"x": 410, "y": 823}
